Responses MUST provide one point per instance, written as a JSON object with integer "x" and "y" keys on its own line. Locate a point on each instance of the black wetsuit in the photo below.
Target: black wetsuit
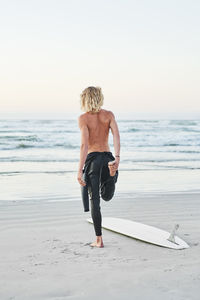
{"x": 98, "y": 181}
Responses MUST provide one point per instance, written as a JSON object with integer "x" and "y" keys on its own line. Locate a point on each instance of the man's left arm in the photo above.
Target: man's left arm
{"x": 83, "y": 148}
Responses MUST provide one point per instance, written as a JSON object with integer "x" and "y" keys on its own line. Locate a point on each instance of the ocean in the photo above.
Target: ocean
{"x": 39, "y": 158}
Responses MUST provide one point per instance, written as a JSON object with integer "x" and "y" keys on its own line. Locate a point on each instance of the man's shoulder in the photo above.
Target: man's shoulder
{"x": 108, "y": 112}
{"x": 80, "y": 116}
{"x": 82, "y": 119}
{"x": 84, "y": 116}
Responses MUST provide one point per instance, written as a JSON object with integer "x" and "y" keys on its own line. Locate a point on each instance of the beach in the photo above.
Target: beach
{"x": 115, "y": 77}
{"x": 45, "y": 252}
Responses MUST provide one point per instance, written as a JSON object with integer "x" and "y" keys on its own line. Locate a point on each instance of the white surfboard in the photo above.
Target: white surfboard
{"x": 144, "y": 232}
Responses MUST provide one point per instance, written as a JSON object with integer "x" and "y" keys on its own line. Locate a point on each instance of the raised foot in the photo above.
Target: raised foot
{"x": 112, "y": 167}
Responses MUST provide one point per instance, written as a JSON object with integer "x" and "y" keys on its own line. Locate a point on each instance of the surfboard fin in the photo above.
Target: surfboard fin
{"x": 171, "y": 238}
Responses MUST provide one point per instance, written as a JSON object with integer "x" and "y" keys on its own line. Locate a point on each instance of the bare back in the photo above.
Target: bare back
{"x": 98, "y": 126}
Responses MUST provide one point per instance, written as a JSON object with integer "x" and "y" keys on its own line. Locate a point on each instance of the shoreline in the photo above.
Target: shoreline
{"x": 56, "y": 186}
{"x": 119, "y": 194}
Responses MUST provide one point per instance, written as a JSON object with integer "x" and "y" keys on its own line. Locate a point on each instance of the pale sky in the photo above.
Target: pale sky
{"x": 144, "y": 54}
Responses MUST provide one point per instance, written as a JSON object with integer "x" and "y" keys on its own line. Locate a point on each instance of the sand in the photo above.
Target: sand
{"x": 44, "y": 251}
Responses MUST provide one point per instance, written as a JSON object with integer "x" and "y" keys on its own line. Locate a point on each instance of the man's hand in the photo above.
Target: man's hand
{"x": 117, "y": 160}
{"x": 80, "y": 178}
{"x": 113, "y": 166}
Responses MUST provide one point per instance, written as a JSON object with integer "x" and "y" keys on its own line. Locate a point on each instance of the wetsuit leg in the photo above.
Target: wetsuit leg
{"x": 94, "y": 174}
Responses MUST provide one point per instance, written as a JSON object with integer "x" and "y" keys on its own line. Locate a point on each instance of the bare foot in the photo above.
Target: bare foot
{"x": 98, "y": 243}
{"x": 112, "y": 168}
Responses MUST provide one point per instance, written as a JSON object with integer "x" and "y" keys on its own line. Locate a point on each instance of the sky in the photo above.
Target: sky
{"x": 145, "y": 55}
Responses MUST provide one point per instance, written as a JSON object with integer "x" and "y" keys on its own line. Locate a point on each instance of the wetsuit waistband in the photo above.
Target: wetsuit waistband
{"x": 99, "y": 152}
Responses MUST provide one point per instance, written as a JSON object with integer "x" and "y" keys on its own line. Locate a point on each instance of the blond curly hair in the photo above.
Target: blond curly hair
{"x": 91, "y": 99}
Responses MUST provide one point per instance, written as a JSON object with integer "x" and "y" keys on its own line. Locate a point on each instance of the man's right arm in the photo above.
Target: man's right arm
{"x": 116, "y": 137}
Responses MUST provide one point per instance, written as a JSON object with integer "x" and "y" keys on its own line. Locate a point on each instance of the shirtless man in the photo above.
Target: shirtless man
{"x": 94, "y": 125}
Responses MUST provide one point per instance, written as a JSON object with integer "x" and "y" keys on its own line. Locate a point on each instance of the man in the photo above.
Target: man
{"x": 102, "y": 166}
